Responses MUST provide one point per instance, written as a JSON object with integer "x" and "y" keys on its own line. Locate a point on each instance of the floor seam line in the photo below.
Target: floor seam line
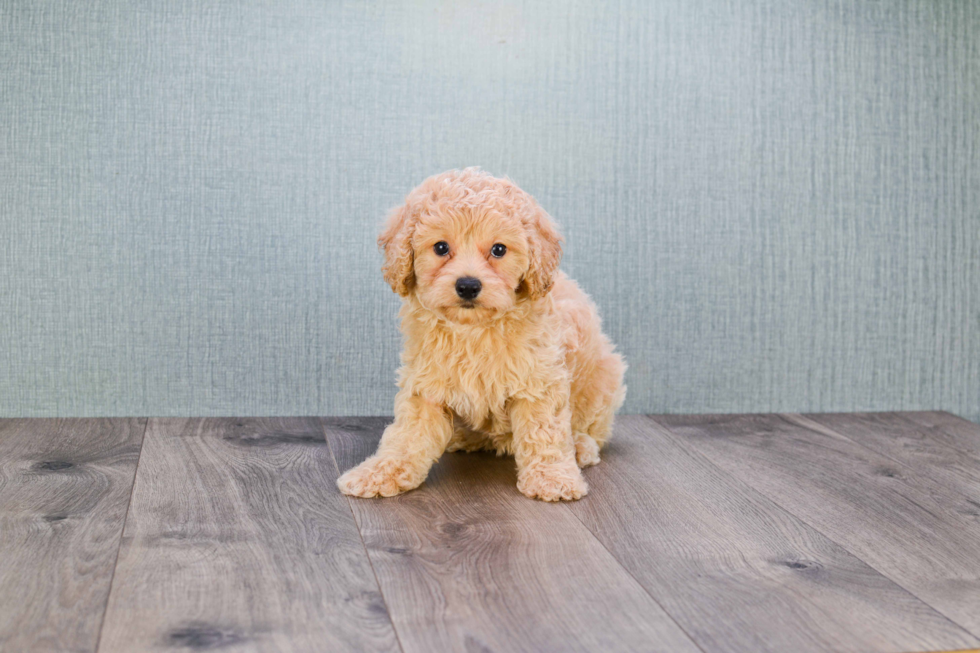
{"x": 122, "y": 532}
{"x": 782, "y": 507}
{"x": 635, "y": 580}
{"x": 360, "y": 536}
{"x": 788, "y": 418}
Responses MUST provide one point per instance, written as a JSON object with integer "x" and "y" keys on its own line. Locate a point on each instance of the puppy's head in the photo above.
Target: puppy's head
{"x": 469, "y": 246}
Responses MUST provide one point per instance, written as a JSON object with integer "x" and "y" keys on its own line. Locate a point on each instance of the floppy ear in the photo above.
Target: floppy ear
{"x": 544, "y": 245}
{"x": 396, "y": 242}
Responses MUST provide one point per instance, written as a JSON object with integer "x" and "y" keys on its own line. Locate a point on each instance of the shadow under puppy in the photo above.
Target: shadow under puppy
{"x": 502, "y": 351}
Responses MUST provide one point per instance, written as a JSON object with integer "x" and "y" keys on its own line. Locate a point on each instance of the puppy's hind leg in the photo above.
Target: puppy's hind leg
{"x": 589, "y": 439}
{"x": 586, "y": 450}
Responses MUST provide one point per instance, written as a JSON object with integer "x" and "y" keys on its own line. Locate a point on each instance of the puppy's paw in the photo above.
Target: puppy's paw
{"x": 552, "y": 481}
{"x": 380, "y": 477}
{"x": 586, "y": 451}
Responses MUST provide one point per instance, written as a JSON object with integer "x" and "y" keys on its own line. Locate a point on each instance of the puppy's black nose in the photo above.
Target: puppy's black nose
{"x": 468, "y": 287}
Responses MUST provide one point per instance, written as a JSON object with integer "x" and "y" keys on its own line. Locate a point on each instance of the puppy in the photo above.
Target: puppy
{"x": 502, "y": 351}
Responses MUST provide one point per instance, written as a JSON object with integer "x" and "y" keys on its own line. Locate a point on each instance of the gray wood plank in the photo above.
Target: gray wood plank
{"x": 952, "y": 430}
{"x": 877, "y": 509}
{"x": 948, "y": 466}
{"x": 238, "y": 540}
{"x": 466, "y": 562}
{"x": 735, "y": 570}
{"x": 64, "y": 488}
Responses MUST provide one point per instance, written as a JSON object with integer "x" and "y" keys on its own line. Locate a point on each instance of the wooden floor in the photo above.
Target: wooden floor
{"x": 856, "y": 532}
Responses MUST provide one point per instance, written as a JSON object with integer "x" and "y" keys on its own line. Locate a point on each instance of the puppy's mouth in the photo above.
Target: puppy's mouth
{"x": 468, "y": 312}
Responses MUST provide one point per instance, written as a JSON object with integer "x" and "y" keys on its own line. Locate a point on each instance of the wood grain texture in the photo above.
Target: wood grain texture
{"x": 237, "y": 540}
{"x": 951, "y": 430}
{"x": 64, "y": 488}
{"x": 466, "y": 562}
{"x": 948, "y": 465}
{"x": 881, "y": 511}
{"x": 735, "y": 570}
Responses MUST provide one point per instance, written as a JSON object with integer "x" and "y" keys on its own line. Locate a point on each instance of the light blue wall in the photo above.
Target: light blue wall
{"x": 775, "y": 204}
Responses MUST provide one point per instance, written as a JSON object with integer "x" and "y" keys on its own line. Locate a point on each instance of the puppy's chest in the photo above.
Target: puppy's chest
{"x": 476, "y": 382}
{"x": 478, "y": 388}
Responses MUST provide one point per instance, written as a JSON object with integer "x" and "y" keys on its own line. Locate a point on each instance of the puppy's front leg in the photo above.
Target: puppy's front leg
{"x": 408, "y": 449}
{"x": 545, "y": 451}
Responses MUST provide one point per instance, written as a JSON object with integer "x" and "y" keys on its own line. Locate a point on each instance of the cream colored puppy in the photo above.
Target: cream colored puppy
{"x": 502, "y": 351}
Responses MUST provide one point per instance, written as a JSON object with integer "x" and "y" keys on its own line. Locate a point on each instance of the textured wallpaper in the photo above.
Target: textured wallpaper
{"x": 776, "y": 205}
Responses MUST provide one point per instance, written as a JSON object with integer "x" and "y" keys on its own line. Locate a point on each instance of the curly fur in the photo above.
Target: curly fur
{"x": 524, "y": 370}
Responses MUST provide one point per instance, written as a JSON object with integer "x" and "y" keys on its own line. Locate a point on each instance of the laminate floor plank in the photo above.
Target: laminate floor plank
{"x": 238, "y": 540}
{"x": 948, "y": 466}
{"x": 64, "y": 488}
{"x": 883, "y": 512}
{"x": 467, "y": 563}
{"x": 735, "y": 570}
{"x": 950, "y": 429}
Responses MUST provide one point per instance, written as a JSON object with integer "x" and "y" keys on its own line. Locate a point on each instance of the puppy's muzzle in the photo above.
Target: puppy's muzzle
{"x": 468, "y": 288}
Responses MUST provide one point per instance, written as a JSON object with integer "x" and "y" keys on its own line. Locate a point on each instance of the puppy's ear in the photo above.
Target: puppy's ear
{"x": 396, "y": 242}
{"x": 544, "y": 244}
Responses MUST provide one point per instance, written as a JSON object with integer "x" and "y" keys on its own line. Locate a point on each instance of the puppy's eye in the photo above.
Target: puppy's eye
{"x": 498, "y": 250}
{"x": 441, "y": 248}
